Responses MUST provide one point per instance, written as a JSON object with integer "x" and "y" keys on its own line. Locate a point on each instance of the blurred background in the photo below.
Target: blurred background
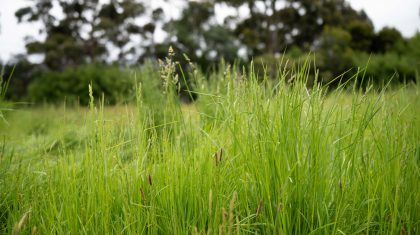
{"x": 59, "y": 46}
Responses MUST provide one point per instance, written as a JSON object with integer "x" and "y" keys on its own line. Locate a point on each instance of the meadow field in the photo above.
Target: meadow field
{"x": 251, "y": 155}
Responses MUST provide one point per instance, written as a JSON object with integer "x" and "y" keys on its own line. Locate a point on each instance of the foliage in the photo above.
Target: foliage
{"x": 389, "y": 67}
{"x": 71, "y": 85}
{"x": 362, "y": 35}
{"x": 334, "y": 53}
{"x": 386, "y": 40}
{"x": 4, "y": 85}
{"x": 85, "y": 32}
{"x": 24, "y": 74}
{"x": 199, "y": 38}
{"x": 269, "y": 29}
{"x": 87, "y": 27}
{"x": 413, "y": 47}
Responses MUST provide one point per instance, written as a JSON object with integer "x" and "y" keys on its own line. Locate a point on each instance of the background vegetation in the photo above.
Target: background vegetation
{"x": 121, "y": 33}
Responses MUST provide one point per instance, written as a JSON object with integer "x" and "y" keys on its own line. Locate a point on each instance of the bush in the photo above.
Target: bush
{"x": 23, "y": 75}
{"x": 4, "y": 84}
{"x": 381, "y": 68}
{"x": 72, "y": 85}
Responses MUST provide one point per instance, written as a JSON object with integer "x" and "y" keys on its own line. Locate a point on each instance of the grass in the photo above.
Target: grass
{"x": 250, "y": 156}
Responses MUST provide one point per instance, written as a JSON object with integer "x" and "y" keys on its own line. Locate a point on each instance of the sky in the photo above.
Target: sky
{"x": 401, "y": 14}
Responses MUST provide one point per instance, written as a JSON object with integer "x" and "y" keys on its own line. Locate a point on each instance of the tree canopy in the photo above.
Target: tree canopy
{"x": 88, "y": 31}
{"x": 83, "y": 31}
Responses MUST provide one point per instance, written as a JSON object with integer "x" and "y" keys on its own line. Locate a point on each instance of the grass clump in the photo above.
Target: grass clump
{"x": 250, "y": 156}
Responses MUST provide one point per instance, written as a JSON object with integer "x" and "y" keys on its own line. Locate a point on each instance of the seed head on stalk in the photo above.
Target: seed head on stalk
{"x": 168, "y": 71}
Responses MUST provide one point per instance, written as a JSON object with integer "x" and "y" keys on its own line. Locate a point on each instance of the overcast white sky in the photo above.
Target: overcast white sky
{"x": 402, "y": 14}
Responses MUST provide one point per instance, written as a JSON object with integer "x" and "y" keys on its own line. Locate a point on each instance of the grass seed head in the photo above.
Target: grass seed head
{"x": 150, "y": 180}
{"x": 19, "y": 225}
{"x": 223, "y": 217}
{"x": 210, "y": 201}
{"x": 168, "y": 71}
{"x": 231, "y": 207}
{"x": 143, "y": 198}
{"x": 218, "y": 156}
{"x": 279, "y": 207}
{"x": 259, "y": 208}
{"x": 237, "y": 226}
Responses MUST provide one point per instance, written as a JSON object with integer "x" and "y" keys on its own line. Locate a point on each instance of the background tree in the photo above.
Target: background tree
{"x": 156, "y": 19}
{"x": 334, "y": 52}
{"x": 186, "y": 33}
{"x": 386, "y": 39}
{"x": 362, "y": 34}
{"x": 118, "y": 26}
{"x": 261, "y": 32}
{"x": 84, "y": 33}
{"x": 273, "y": 25}
{"x": 23, "y": 75}
{"x": 197, "y": 35}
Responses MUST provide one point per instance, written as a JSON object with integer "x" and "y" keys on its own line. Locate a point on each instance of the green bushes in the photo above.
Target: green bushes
{"x": 4, "y": 84}
{"x": 334, "y": 57}
{"x": 72, "y": 84}
{"x": 389, "y": 67}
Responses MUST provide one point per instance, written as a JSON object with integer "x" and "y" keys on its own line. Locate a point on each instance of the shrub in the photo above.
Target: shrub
{"x": 23, "y": 76}
{"x": 381, "y": 68}
{"x": 72, "y": 84}
{"x": 4, "y": 84}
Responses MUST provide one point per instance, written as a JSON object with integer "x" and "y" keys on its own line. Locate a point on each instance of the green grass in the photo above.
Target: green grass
{"x": 248, "y": 157}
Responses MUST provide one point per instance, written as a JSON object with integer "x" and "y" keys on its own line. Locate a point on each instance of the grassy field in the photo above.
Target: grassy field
{"x": 261, "y": 157}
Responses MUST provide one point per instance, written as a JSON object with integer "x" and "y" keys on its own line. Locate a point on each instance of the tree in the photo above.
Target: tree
{"x": 198, "y": 36}
{"x": 23, "y": 75}
{"x": 186, "y": 33}
{"x": 386, "y": 39}
{"x": 263, "y": 31}
{"x": 117, "y": 20}
{"x": 274, "y": 25}
{"x": 310, "y": 17}
{"x": 334, "y": 52}
{"x": 86, "y": 31}
{"x": 362, "y": 34}
{"x": 157, "y": 17}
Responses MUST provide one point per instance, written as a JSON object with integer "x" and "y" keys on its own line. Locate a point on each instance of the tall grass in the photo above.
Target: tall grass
{"x": 252, "y": 155}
